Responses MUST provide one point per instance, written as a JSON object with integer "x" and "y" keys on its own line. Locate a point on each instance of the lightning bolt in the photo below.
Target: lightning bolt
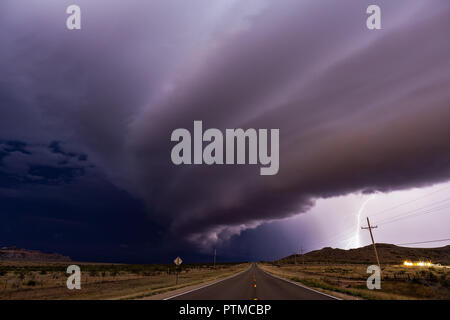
{"x": 355, "y": 241}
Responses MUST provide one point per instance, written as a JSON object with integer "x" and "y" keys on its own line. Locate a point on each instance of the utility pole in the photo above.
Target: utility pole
{"x": 303, "y": 257}
{"x": 373, "y": 242}
{"x": 214, "y": 258}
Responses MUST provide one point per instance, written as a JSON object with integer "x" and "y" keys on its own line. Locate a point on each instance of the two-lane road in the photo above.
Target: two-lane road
{"x": 253, "y": 284}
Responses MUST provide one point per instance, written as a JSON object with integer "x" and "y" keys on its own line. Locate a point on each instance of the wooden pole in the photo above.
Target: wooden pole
{"x": 373, "y": 241}
{"x": 303, "y": 256}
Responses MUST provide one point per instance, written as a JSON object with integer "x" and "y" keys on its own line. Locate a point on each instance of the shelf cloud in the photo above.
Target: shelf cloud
{"x": 357, "y": 109}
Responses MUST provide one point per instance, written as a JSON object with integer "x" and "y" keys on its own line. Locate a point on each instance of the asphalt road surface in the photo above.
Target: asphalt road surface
{"x": 253, "y": 284}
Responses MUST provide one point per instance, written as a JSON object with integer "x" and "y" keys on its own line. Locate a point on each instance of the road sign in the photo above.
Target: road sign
{"x": 178, "y": 261}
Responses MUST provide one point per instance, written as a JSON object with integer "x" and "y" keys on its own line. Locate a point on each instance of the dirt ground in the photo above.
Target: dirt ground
{"x": 104, "y": 281}
{"x": 348, "y": 281}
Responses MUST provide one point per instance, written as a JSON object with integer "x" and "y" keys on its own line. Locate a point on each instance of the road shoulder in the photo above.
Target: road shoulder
{"x": 172, "y": 292}
{"x": 288, "y": 278}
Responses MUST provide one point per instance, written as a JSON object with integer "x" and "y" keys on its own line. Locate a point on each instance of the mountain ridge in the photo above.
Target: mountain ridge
{"x": 20, "y": 254}
{"x": 388, "y": 253}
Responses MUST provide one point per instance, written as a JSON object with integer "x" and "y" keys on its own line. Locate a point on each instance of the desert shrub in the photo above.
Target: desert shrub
{"x": 431, "y": 276}
{"x": 31, "y": 283}
{"x": 445, "y": 282}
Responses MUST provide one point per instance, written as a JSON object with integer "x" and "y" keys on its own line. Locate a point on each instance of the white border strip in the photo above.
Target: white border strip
{"x": 210, "y": 284}
{"x": 300, "y": 285}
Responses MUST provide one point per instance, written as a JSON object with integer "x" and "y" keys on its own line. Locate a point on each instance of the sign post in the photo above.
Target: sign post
{"x": 177, "y": 262}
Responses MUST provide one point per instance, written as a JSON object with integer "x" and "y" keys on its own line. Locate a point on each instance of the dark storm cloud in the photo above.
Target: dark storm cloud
{"x": 55, "y": 147}
{"x": 32, "y": 164}
{"x": 358, "y": 110}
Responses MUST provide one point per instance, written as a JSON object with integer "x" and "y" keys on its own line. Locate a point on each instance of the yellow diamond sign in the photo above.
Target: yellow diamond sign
{"x": 178, "y": 261}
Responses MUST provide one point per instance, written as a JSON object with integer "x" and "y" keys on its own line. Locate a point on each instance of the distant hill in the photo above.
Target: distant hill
{"x": 389, "y": 254}
{"x": 17, "y": 254}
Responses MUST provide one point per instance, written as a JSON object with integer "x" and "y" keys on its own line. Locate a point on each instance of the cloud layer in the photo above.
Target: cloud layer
{"x": 357, "y": 110}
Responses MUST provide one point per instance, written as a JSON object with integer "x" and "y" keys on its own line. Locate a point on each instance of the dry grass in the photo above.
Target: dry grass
{"x": 26, "y": 280}
{"x": 398, "y": 282}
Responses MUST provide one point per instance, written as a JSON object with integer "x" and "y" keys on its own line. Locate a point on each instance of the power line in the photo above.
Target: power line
{"x": 412, "y": 214}
{"x": 409, "y": 202}
{"x": 420, "y": 208}
{"x": 429, "y": 241}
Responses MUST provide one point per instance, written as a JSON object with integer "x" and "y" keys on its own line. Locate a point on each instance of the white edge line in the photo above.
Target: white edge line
{"x": 300, "y": 285}
{"x": 210, "y": 284}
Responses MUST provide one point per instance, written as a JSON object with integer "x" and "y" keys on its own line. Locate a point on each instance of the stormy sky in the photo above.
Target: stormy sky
{"x": 86, "y": 118}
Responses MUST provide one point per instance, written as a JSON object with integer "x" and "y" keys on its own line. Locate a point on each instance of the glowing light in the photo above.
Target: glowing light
{"x": 418, "y": 264}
